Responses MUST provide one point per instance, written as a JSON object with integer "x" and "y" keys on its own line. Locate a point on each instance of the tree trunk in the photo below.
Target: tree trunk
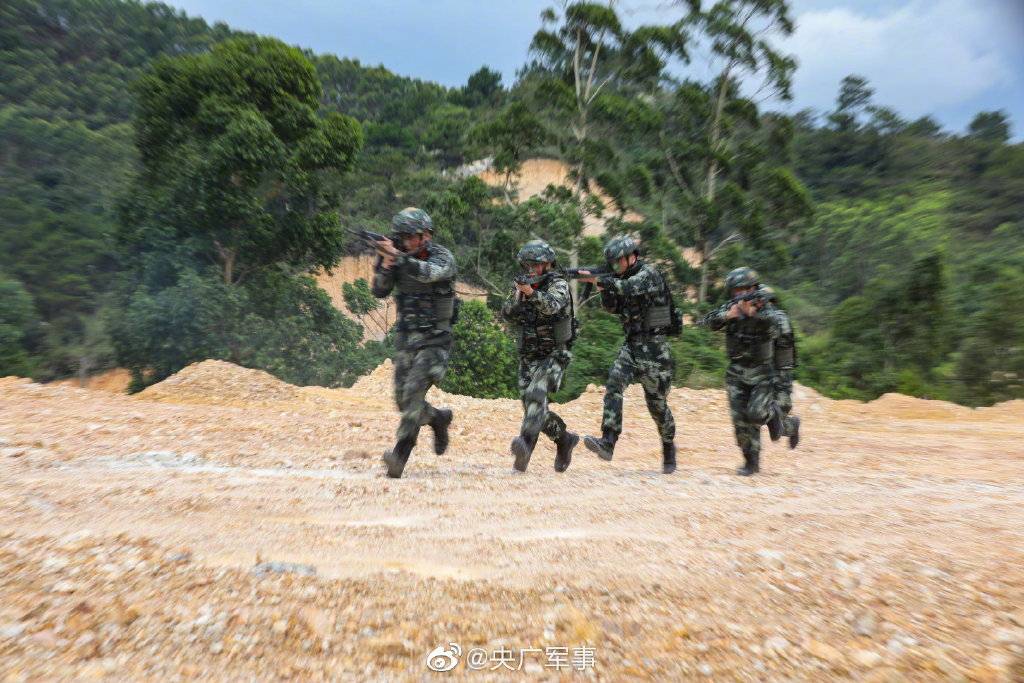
{"x": 702, "y": 290}
{"x": 84, "y": 365}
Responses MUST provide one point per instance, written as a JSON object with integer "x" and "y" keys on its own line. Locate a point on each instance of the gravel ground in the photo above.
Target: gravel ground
{"x": 223, "y": 525}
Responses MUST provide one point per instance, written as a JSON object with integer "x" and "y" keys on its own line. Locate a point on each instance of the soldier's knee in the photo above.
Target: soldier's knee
{"x": 756, "y": 418}
{"x": 536, "y": 393}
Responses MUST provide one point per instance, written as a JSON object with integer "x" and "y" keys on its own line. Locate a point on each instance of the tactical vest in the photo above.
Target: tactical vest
{"x": 646, "y": 314}
{"x": 540, "y": 335}
{"x": 424, "y": 306}
{"x": 748, "y": 341}
{"x": 785, "y": 354}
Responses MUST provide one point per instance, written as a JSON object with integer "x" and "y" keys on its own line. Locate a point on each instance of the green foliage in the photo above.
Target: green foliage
{"x": 284, "y": 325}
{"x": 243, "y": 175}
{"x": 592, "y": 354}
{"x": 483, "y": 360}
{"x": 17, "y": 319}
{"x": 990, "y": 126}
{"x": 483, "y": 87}
{"x": 235, "y": 160}
{"x": 234, "y": 167}
{"x": 358, "y": 298}
{"x": 510, "y": 138}
{"x": 990, "y": 362}
{"x": 360, "y": 303}
{"x": 891, "y": 339}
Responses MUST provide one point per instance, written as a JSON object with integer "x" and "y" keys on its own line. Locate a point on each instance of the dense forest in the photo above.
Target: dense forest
{"x": 169, "y": 187}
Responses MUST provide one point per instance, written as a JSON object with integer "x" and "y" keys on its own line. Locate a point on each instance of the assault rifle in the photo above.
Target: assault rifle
{"x": 372, "y": 238}
{"x": 568, "y": 274}
{"x": 755, "y": 295}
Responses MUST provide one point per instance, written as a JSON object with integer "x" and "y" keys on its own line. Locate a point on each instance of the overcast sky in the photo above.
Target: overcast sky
{"x": 945, "y": 58}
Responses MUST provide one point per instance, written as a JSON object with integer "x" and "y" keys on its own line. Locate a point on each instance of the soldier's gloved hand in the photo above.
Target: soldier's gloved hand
{"x": 606, "y": 282}
{"x": 524, "y": 290}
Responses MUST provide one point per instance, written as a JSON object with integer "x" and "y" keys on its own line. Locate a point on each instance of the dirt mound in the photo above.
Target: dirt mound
{"x": 220, "y": 382}
{"x": 377, "y": 382}
{"x": 115, "y": 381}
{"x": 1008, "y": 411}
{"x": 911, "y": 408}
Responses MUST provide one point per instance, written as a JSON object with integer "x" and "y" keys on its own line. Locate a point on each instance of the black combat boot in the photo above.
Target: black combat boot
{"x": 397, "y": 457}
{"x": 442, "y": 418}
{"x": 605, "y": 446}
{"x": 522, "y": 448}
{"x": 775, "y": 425}
{"x": 668, "y": 457}
{"x": 794, "y": 432}
{"x": 750, "y": 465}
{"x": 565, "y": 444}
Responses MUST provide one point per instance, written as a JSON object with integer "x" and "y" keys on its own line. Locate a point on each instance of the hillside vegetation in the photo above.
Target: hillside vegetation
{"x": 897, "y": 246}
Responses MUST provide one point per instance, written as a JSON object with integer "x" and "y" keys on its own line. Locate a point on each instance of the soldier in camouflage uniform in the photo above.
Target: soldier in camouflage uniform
{"x": 542, "y": 313}
{"x": 785, "y": 360}
{"x": 422, "y": 277}
{"x": 639, "y": 295}
{"x": 750, "y": 327}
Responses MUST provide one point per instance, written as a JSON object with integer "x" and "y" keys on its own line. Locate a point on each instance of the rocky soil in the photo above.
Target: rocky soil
{"x": 223, "y": 525}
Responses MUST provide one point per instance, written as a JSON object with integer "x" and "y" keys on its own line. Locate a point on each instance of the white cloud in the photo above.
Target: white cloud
{"x": 919, "y": 57}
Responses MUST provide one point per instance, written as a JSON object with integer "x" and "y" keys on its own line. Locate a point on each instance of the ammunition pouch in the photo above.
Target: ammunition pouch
{"x": 543, "y": 336}
{"x": 540, "y": 336}
{"x": 657, "y": 317}
{"x": 745, "y": 346}
{"x": 425, "y": 306}
{"x": 785, "y": 356}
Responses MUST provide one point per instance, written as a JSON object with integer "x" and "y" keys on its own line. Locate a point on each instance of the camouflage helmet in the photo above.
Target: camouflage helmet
{"x": 618, "y": 247}
{"x": 741, "y": 278}
{"x": 769, "y": 293}
{"x": 411, "y": 221}
{"x": 536, "y": 251}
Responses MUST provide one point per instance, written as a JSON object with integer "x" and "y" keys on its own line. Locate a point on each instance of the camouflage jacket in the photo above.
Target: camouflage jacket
{"x": 748, "y": 341}
{"x": 535, "y": 316}
{"x": 631, "y": 296}
{"x": 421, "y": 321}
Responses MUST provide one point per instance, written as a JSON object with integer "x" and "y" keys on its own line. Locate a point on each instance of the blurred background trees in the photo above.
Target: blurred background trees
{"x": 148, "y": 226}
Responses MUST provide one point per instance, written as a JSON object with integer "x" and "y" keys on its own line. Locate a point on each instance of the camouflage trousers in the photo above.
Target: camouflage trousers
{"x": 416, "y": 370}
{"x": 648, "y": 361}
{"x": 538, "y": 379}
{"x": 750, "y": 389}
{"x": 784, "y": 397}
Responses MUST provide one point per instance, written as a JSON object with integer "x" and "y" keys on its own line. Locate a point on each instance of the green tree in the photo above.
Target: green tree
{"x": 991, "y": 126}
{"x": 235, "y": 159}
{"x": 17, "y": 318}
{"x": 990, "y": 360}
{"x": 483, "y": 360}
{"x": 515, "y": 134}
{"x": 482, "y": 87}
{"x": 731, "y": 180}
{"x": 592, "y": 79}
{"x": 234, "y": 182}
{"x": 360, "y": 302}
{"x": 854, "y": 97}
